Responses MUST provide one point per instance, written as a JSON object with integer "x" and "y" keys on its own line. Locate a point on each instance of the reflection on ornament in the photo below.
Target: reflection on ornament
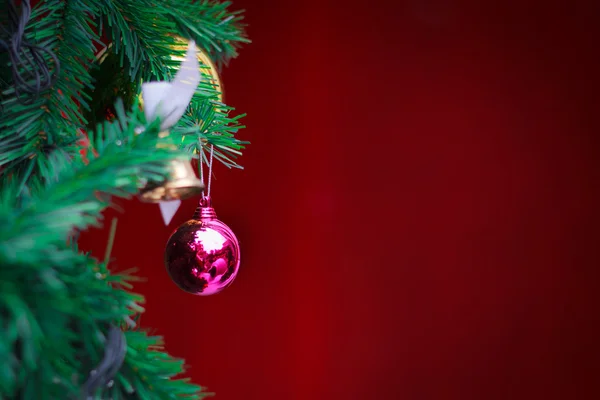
{"x": 211, "y": 240}
{"x": 202, "y": 256}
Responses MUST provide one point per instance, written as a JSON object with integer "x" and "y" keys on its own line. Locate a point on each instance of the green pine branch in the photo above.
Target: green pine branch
{"x": 143, "y": 37}
{"x": 120, "y": 161}
{"x": 29, "y": 132}
{"x": 151, "y": 373}
{"x": 206, "y": 124}
{"x": 217, "y": 30}
{"x": 145, "y": 32}
{"x": 57, "y": 318}
{"x": 55, "y": 303}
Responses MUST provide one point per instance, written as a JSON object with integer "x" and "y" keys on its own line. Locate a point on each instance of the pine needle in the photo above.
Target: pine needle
{"x": 111, "y": 240}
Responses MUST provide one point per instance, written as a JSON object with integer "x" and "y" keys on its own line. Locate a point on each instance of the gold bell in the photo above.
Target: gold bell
{"x": 182, "y": 184}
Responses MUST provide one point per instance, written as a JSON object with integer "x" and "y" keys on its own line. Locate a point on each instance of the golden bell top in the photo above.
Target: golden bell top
{"x": 181, "y": 184}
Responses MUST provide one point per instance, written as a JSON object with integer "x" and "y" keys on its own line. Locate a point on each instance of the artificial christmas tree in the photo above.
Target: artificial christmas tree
{"x": 73, "y": 134}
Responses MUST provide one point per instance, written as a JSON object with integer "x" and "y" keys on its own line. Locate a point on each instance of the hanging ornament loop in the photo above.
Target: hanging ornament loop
{"x": 205, "y": 211}
{"x": 210, "y": 166}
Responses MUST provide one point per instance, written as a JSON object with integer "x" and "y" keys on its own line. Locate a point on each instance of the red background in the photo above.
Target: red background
{"x": 416, "y": 209}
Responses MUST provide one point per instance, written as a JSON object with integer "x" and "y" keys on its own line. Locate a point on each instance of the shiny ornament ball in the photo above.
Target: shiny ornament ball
{"x": 203, "y": 255}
